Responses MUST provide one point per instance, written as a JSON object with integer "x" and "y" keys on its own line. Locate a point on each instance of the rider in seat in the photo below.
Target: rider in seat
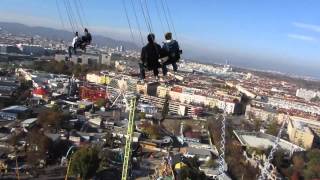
{"x": 84, "y": 40}
{"x": 72, "y": 47}
{"x": 172, "y": 52}
{"x": 150, "y": 55}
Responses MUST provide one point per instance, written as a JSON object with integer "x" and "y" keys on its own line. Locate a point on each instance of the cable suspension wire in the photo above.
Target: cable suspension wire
{"x": 60, "y": 15}
{"x": 159, "y": 16}
{"x": 148, "y": 14}
{"x": 137, "y": 21}
{"x": 78, "y": 12}
{"x": 69, "y": 16}
{"x": 83, "y": 13}
{"x": 171, "y": 20}
{"x": 144, "y": 16}
{"x": 74, "y": 19}
{"x": 165, "y": 15}
{"x": 129, "y": 23}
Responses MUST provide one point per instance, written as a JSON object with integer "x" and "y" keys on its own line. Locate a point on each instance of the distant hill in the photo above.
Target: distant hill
{"x": 56, "y": 34}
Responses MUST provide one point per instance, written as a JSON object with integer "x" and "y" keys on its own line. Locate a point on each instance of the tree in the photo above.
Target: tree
{"x": 312, "y": 170}
{"x": 165, "y": 108}
{"x": 278, "y": 159}
{"x": 295, "y": 176}
{"x": 153, "y": 131}
{"x": 257, "y": 124}
{"x": 39, "y": 146}
{"x": 315, "y": 99}
{"x": 50, "y": 119}
{"x": 298, "y": 162}
{"x": 273, "y": 128}
{"x": 100, "y": 102}
{"x": 85, "y": 162}
{"x": 142, "y": 115}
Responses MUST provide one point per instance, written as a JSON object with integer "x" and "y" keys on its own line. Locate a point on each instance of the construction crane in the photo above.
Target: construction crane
{"x": 128, "y": 150}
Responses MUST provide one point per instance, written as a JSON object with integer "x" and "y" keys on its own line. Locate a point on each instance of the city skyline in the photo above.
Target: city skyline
{"x": 281, "y": 36}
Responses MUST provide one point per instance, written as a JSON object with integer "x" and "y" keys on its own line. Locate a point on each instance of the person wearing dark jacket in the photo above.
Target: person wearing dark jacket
{"x": 150, "y": 55}
{"x": 84, "y": 40}
{"x": 171, "y": 53}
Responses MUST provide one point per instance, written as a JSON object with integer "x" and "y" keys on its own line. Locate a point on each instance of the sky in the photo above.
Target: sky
{"x": 271, "y": 35}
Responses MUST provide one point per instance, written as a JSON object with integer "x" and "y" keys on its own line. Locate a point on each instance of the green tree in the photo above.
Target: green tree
{"x": 315, "y": 99}
{"x": 142, "y": 115}
{"x": 257, "y": 124}
{"x": 312, "y": 170}
{"x": 273, "y": 128}
{"x": 85, "y": 162}
{"x": 100, "y": 102}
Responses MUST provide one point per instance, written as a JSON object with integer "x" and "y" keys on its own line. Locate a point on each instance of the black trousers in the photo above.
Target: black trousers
{"x": 143, "y": 71}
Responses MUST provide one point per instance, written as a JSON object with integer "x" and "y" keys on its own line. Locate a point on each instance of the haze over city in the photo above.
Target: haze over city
{"x": 271, "y": 35}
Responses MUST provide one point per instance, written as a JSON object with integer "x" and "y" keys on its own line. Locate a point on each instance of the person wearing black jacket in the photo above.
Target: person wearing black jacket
{"x": 84, "y": 40}
{"x": 150, "y": 55}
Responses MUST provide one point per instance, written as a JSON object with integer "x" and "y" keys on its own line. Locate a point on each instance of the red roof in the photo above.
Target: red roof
{"x": 39, "y": 91}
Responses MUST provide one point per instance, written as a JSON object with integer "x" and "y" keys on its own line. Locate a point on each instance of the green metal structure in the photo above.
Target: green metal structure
{"x": 128, "y": 150}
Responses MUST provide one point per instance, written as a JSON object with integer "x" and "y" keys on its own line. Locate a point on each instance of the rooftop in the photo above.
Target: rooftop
{"x": 15, "y": 109}
{"x": 264, "y": 141}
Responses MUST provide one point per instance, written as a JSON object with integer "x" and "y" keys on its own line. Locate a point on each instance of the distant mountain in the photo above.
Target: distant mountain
{"x": 56, "y": 34}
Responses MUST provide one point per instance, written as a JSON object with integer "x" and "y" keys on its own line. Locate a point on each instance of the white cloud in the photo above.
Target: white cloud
{"x": 310, "y": 27}
{"x": 302, "y": 37}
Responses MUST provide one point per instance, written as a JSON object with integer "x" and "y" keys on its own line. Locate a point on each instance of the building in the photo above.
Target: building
{"x": 93, "y": 92}
{"x": 245, "y": 91}
{"x": 307, "y": 94}
{"x": 264, "y": 141}
{"x": 174, "y": 106}
{"x": 148, "y": 88}
{"x": 162, "y": 91}
{"x": 262, "y": 113}
{"x": 28, "y": 123}
{"x": 313, "y": 125}
{"x": 290, "y": 104}
{"x": 14, "y": 112}
{"x": 31, "y": 49}
{"x": 299, "y": 133}
{"x": 8, "y": 86}
{"x": 85, "y": 58}
{"x": 148, "y": 109}
{"x": 40, "y": 92}
{"x": 5, "y": 49}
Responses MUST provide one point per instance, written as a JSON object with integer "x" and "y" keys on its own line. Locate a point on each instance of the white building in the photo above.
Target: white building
{"x": 307, "y": 94}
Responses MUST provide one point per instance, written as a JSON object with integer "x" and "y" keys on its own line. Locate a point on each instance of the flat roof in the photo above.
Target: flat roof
{"x": 264, "y": 141}
{"x": 15, "y": 109}
{"x": 29, "y": 121}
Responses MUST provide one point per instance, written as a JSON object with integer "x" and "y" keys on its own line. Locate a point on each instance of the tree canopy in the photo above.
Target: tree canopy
{"x": 85, "y": 162}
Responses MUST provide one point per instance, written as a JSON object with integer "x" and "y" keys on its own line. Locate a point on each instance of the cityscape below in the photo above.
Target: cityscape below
{"x": 74, "y": 107}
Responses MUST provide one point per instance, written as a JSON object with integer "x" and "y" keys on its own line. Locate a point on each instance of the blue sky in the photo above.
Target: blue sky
{"x": 280, "y": 35}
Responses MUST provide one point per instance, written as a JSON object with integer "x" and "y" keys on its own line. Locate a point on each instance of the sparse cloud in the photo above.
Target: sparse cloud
{"x": 310, "y": 27}
{"x": 302, "y": 37}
